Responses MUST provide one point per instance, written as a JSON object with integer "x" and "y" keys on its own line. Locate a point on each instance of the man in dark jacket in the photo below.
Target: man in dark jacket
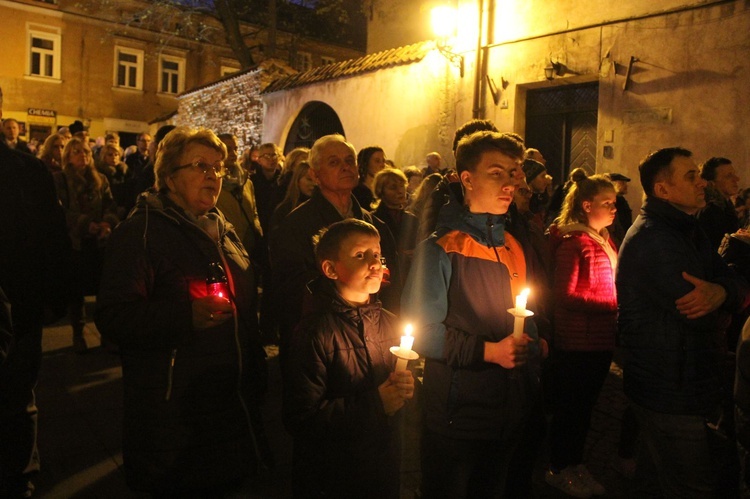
{"x": 674, "y": 294}
{"x": 719, "y": 217}
{"x": 34, "y": 273}
{"x": 478, "y": 389}
{"x": 333, "y": 162}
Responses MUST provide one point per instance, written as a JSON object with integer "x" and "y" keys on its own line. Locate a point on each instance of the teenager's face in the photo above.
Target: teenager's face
{"x": 111, "y": 157}
{"x": 376, "y": 163}
{"x": 358, "y": 271}
{"x": 489, "y": 188}
{"x": 601, "y": 210}
{"x": 394, "y": 193}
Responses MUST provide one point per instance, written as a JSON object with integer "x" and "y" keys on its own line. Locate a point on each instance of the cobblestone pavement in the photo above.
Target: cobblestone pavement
{"x": 80, "y": 420}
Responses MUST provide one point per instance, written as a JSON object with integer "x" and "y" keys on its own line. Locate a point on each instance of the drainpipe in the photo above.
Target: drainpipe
{"x": 485, "y": 39}
{"x": 478, "y": 107}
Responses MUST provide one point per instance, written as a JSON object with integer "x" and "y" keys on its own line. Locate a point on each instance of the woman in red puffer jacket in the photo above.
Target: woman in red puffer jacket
{"x": 585, "y": 325}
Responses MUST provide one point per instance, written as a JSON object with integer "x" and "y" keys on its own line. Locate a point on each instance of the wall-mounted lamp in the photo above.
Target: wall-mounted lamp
{"x": 444, "y": 27}
{"x": 555, "y": 68}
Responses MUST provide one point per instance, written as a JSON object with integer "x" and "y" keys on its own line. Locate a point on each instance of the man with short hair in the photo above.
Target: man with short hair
{"x": 719, "y": 216}
{"x": 333, "y": 162}
{"x": 11, "y": 130}
{"x": 536, "y": 155}
{"x": 434, "y": 163}
{"x": 674, "y": 294}
{"x": 479, "y": 389}
{"x": 139, "y": 159}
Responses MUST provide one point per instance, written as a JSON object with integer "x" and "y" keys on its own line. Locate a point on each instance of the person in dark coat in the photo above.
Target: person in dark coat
{"x": 35, "y": 274}
{"x": 390, "y": 193}
{"x": 334, "y": 166}
{"x": 719, "y": 217}
{"x": 341, "y": 394}
{"x": 370, "y": 160}
{"x": 174, "y": 294}
{"x": 624, "y": 215}
{"x": 674, "y": 297}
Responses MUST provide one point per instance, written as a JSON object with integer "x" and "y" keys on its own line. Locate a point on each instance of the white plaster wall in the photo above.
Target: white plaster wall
{"x": 408, "y": 110}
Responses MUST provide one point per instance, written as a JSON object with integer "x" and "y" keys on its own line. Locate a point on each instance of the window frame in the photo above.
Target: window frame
{"x": 53, "y": 35}
{"x": 180, "y": 73}
{"x": 138, "y": 65}
{"x": 307, "y": 57}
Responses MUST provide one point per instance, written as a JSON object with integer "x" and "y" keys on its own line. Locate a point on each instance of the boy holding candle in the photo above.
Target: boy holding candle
{"x": 480, "y": 383}
{"x": 340, "y": 391}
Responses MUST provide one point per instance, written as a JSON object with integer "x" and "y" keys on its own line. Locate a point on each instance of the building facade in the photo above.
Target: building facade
{"x": 98, "y": 62}
{"x": 589, "y": 83}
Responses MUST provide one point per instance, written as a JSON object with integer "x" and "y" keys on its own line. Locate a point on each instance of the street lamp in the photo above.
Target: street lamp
{"x": 444, "y": 26}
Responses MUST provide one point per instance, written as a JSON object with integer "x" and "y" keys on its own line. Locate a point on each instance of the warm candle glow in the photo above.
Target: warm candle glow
{"x": 522, "y": 299}
{"x": 407, "y": 341}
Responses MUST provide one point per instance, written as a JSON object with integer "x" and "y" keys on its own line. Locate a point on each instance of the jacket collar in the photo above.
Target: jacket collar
{"x": 485, "y": 228}
{"x": 660, "y": 209}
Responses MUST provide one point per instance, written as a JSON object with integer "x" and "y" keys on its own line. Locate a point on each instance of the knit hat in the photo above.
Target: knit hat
{"x": 532, "y": 169}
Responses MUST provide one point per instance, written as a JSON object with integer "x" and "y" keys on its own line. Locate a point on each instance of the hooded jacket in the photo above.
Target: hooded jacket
{"x": 344, "y": 443}
{"x": 584, "y": 288}
{"x": 187, "y": 391}
{"x": 461, "y": 285}
{"x": 671, "y": 362}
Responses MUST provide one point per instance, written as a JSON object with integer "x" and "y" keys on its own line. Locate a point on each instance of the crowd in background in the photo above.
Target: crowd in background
{"x": 200, "y": 254}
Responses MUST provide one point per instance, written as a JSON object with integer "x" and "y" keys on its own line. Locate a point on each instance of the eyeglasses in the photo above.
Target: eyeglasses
{"x": 269, "y": 156}
{"x": 199, "y": 165}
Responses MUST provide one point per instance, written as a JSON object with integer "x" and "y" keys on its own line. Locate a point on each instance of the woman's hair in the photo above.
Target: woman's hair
{"x": 90, "y": 175}
{"x": 49, "y": 143}
{"x": 412, "y": 171}
{"x": 295, "y": 157}
{"x": 109, "y": 146}
{"x": 171, "y": 148}
{"x": 292, "y": 191}
{"x": 363, "y": 159}
{"x": 420, "y": 196}
{"x": 582, "y": 190}
{"x": 384, "y": 176}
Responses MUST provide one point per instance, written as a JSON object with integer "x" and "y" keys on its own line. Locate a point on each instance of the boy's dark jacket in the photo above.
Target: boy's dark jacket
{"x": 344, "y": 444}
{"x": 462, "y": 282}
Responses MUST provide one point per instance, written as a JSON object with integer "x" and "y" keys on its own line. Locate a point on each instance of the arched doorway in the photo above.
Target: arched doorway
{"x": 315, "y": 120}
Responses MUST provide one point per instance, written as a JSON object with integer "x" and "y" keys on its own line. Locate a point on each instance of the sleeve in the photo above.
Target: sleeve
{"x": 309, "y": 407}
{"x": 109, "y": 206}
{"x": 127, "y": 311}
{"x": 574, "y": 262}
{"x": 424, "y": 303}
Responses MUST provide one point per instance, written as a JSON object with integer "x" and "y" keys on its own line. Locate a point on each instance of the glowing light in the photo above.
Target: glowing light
{"x": 443, "y": 21}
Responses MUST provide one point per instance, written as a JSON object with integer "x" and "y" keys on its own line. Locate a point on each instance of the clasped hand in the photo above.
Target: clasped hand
{"x": 704, "y": 299}
{"x": 210, "y": 311}
{"x": 396, "y": 390}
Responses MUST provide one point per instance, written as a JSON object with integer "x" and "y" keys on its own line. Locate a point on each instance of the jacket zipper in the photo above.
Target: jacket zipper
{"x": 170, "y": 375}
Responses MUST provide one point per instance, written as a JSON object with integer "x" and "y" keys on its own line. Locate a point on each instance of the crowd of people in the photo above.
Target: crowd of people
{"x": 199, "y": 255}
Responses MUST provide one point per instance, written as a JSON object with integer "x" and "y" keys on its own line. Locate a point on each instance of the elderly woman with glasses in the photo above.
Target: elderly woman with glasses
{"x": 175, "y": 297}
{"x": 91, "y": 213}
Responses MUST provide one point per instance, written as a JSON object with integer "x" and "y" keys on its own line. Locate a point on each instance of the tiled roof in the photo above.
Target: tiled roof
{"x": 387, "y": 58}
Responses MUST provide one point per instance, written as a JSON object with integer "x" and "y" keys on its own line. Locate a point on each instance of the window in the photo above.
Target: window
{"x": 303, "y": 61}
{"x": 44, "y": 54}
{"x": 327, "y": 60}
{"x": 128, "y": 68}
{"x": 171, "y": 74}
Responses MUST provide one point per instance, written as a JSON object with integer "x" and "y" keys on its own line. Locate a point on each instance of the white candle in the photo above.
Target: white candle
{"x": 521, "y": 300}
{"x": 407, "y": 341}
{"x": 520, "y": 313}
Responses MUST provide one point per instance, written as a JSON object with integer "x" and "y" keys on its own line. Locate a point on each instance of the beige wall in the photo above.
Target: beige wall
{"x": 408, "y": 110}
{"x": 689, "y": 87}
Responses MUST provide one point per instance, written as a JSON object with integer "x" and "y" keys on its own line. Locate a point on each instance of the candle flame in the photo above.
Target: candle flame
{"x": 408, "y": 329}
{"x": 526, "y": 292}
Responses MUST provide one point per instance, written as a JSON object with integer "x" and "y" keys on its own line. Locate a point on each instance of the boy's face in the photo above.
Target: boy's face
{"x": 489, "y": 188}
{"x": 357, "y": 271}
